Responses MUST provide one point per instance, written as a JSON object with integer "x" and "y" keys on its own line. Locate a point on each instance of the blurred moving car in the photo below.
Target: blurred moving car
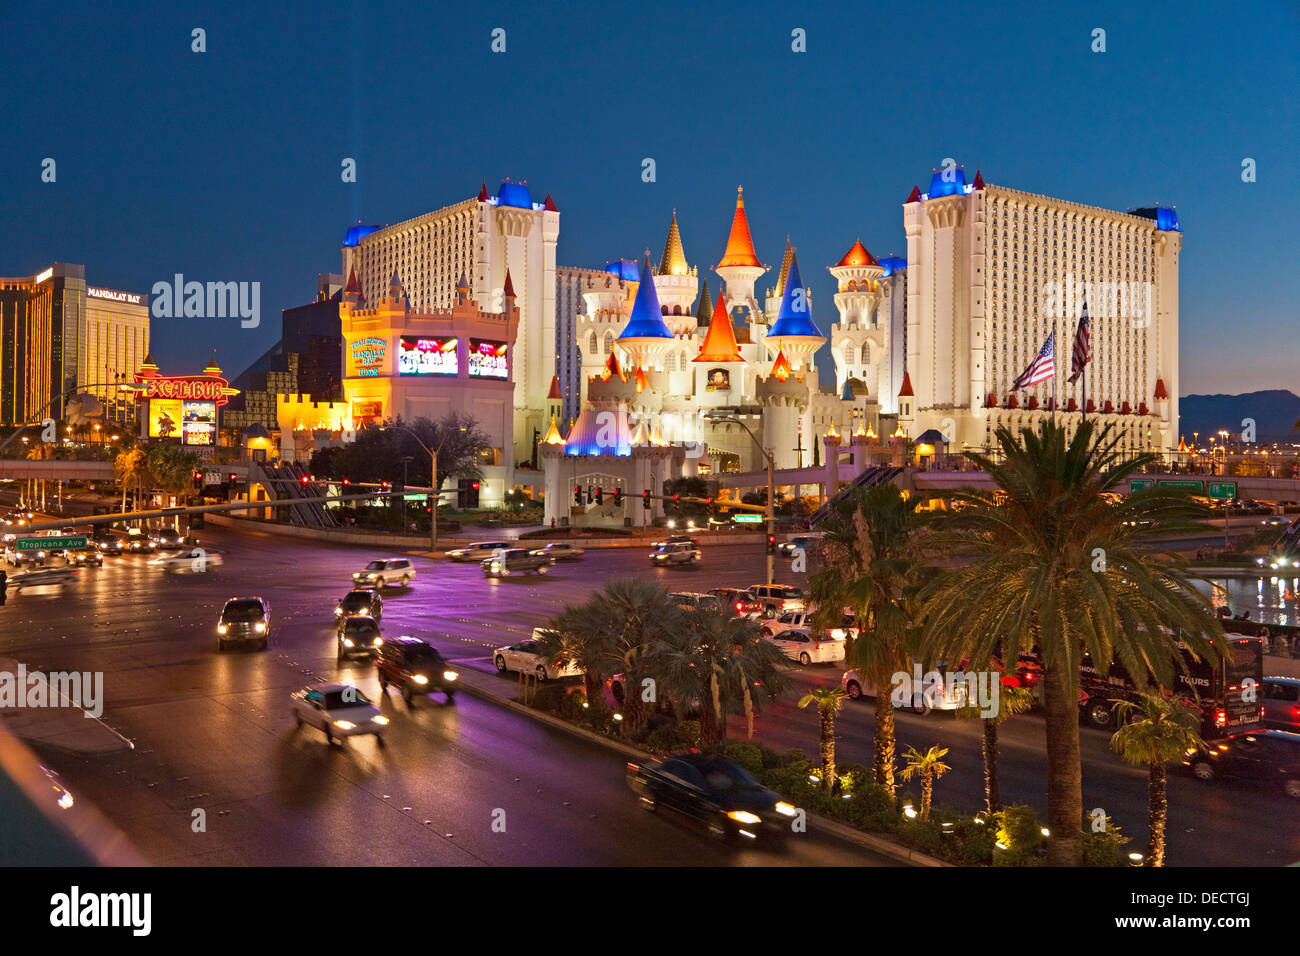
{"x": 558, "y": 551}
{"x": 808, "y": 543}
{"x": 339, "y": 710}
{"x": 516, "y": 561}
{"x": 677, "y": 539}
{"x": 83, "y": 557}
{"x": 713, "y": 791}
{"x": 41, "y": 577}
{"x": 675, "y": 553}
{"x": 415, "y": 668}
{"x": 244, "y": 619}
{"x": 1281, "y": 696}
{"x": 479, "y": 550}
{"x": 798, "y": 644}
{"x": 524, "y": 658}
{"x": 1261, "y": 756}
{"x": 385, "y": 571}
{"x": 357, "y": 636}
{"x": 191, "y": 560}
{"x": 359, "y": 602}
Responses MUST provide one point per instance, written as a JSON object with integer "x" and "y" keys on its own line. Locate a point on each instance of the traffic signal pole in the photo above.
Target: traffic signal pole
{"x": 771, "y": 520}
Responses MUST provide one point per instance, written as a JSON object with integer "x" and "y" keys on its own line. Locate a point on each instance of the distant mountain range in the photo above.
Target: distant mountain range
{"x": 1274, "y": 411}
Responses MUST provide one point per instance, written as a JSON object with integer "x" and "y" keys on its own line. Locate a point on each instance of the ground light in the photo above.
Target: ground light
{"x": 1135, "y": 859}
{"x": 909, "y": 811}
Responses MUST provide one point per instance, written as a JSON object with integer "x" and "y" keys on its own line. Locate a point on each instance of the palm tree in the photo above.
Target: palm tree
{"x": 1056, "y": 569}
{"x": 829, "y": 700}
{"x": 1155, "y": 731}
{"x": 636, "y": 614}
{"x": 577, "y": 634}
{"x": 1012, "y": 700}
{"x": 130, "y": 466}
{"x": 930, "y": 767}
{"x": 872, "y": 568}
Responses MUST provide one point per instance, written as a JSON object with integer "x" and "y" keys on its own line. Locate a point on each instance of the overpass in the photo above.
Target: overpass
{"x": 53, "y": 469}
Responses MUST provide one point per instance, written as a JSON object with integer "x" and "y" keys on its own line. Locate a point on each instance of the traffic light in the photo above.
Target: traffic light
{"x": 577, "y": 494}
{"x": 600, "y": 496}
{"x": 771, "y": 544}
{"x": 645, "y": 500}
{"x": 303, "y": 479}
{"x": 198, "y": 480}
{"x": 589, "y": 494}
{"x": 618, "y": 496}
{"x": 234, "y": 478}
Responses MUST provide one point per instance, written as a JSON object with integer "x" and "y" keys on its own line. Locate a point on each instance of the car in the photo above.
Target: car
{"x": 558, "y": 551}
{"x": 1281, "y": 696}
{"x": 1263, "y": 756}
{"x": 714, "y": 792}
{"x": 137, "y": 542}
{"x": 798, "y": 644}
{"x": 1273, "y": 521}
{"x": 20, "y": 558}
{"x": 191, "y": 560}
{"x": 244, "y": 619}
{"x": 479, "y": 550}
{"x": 415, "y": 668}
{"x": 516, "y": 561}
{"x": 693, "y": 600}
{"x": 357, "y": 636}
{"x": 167, "y": 539}
{"x": 860, "y": 684}
{"x": 67, "y": 530}
{"x": 741, "y": 602}
{"x": 776, "y": 598}
{"x": 83, "y": 557}
{"x": 385, "y": 571}
{"x": 677, "y": 539}
{"x": 808, "y": 543}
{"x": 106, "y": 543}
{"x": 675, "y": 553}
{"x": 804, "y": 619}
{"x": 41, "y": 577}
{"x": 339, "y": 710}
{"x": 360, "y": 602}
{"x": 525, "y": 659}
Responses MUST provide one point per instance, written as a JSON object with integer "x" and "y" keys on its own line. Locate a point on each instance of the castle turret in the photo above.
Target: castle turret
{"x": 676, "y": 284}
{"x": 860, "y": 343}
{"x": 739, "y": 266}
{"x": 646, "y": 338}
{"x": 794, "y": 333}
{"x": 784, "y": 397}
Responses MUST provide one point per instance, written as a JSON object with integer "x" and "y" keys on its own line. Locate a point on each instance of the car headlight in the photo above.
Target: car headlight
{"x": 338, "y": 612}
{"x": 496, "y": 565}
{"x": 260, "y": 627}
{"x": 450, "y": 675}
{"x": 379, "y": 719}
{"x": 786, "y": 809}
{"x": 347, "y": 642}
{"x": 40, "y": 554}
{"x": 377, "y": 641}
{"x": 344, "y": 724}
{"x": 419, "y": 678}
{"x": 744, "y": 816}
{"x": 221, "y": 629}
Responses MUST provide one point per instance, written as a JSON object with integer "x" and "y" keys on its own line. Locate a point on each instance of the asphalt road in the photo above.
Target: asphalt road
{"x": 213, "y": 731}
{"x": 464, "y": 784}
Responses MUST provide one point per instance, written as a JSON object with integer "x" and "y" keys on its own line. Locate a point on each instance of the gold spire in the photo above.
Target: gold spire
{"x": 673, "y": 262}
{"x": 832, "y": 432}
{"x": 785, "y": 267}
{"x": 871, "y": 433}
{"x": 553, "y": 435}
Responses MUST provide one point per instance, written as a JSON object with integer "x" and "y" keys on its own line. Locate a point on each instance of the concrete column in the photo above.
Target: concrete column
{"x": 831, "y": 446}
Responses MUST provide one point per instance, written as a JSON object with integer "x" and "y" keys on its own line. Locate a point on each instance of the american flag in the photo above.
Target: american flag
{"x": 1082, "y": 352}
{"x": 1041, "y": 368}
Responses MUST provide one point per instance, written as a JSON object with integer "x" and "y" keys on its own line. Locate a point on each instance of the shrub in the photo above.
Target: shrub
{"x": 1106, "y": 848}
{"x": 1019, "y": 831}
{"x": 666, "y": 740}
{"x": 870, "y": 807}
{"x": 749, "y": 756}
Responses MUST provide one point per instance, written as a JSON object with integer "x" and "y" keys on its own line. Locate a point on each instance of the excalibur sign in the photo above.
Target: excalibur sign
{"x": 206, "y": 388}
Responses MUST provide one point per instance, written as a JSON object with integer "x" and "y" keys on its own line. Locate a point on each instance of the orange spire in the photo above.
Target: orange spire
{"x": 857, "y": 256}
{"x": 781, "y": 367}
{"x": 640, "y": 380}
{"x": 720, "y": 341}
{"x": 612, "y": 368}
{"x": 740, "y": 247}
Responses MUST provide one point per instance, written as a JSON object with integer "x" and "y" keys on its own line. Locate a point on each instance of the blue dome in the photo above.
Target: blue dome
{"x": 646, "y": 322}
{"x": 940, "y": 187}
{"x": 891, "y": 264}
{"x": 795, "y": 317}
{"x": 1166, "y": 219}
{"x": 625, "y": 269}
{"x": 514, "y": 194}
{"x": 356, "y": 234}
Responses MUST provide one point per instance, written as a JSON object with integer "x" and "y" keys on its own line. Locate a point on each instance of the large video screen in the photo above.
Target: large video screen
{"x": 487, "y": 359}
{"x": 164, "y": 417}
{"x": 198, "y": 423}
{"x": 425, "y": 356}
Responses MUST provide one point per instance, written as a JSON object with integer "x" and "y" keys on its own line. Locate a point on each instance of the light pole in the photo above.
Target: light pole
{"x": 771, "y": 490}
{"x": 435, "y": 490}
{"x": 405, "y": 460}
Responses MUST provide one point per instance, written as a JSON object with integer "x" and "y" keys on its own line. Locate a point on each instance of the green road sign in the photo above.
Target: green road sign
{"x": 1181, "y": 483}
{"x": 747, "y": 518}
{"x": 1138, "y": 484}
{"x": 1223, "y": 489}
{"x": 416, "y": 497}
{"x": 49, "y": 544}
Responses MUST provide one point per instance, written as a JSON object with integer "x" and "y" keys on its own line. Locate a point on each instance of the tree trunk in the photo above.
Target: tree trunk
{"x": 1158, "y": 812}
{"x": 828, "y": 750}
{"x": 927, "y": 792}
{"x": 992, "y": 793}
{"x": 595, "y": 690}
{"x": 713, "y": 727}
{"x": 1064, "y": 776}
{"x": 884, "y": 753}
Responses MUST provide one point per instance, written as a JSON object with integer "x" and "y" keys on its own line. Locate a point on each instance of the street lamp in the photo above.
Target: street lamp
{"x": 715, "y": 417}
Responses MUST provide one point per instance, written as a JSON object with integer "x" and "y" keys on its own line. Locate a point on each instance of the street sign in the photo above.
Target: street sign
{"x": 417, "y": 497}
{"x": 747, "y": 518}
{"x": 1180, "y": 483}
{"x": 49, "y": 544}
{"x": 1138, "y": 484}
{"x": 1223, "y": 489}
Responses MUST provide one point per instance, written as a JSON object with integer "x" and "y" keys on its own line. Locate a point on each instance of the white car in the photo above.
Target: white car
{"x": 191, "y": 560}
{"x": 560, "y": 552}
{"x": 339, "y": 710}
{"x": 778, "y": 598}
{"x": 479, "y": 550}
{"x": 523, "y": 657}
{"x": 803, "y": 619}
{"x": 858, "y": 685}
{"x": 799, "y": 645}
{"x": 41, "y": 577}
{"x": 384, "y": 572}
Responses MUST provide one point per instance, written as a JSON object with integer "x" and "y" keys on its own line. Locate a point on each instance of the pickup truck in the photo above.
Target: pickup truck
{"x": 516, "y": 561}
{"x": 786, "y": 620}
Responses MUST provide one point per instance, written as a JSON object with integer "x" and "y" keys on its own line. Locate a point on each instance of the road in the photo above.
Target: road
{"x": 213, "y": 731}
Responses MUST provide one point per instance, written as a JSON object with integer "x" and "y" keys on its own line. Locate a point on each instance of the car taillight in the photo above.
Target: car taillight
{"x": 1220, "y": 718}
{"x": 1295, "y": 713}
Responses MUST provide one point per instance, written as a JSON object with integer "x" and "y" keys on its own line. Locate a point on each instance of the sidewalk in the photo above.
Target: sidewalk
{"x": 59, "y": 724}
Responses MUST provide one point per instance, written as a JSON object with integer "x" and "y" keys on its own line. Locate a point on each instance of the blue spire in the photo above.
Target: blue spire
{"x": 795, "y": 317}
{"x": 647, "y": 321}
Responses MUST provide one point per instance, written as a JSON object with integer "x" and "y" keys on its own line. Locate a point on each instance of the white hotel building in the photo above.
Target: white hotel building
{"x": 992, "y": 271}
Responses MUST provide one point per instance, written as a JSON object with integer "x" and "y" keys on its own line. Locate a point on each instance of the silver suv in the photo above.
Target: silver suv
{"x": 383, "y": 572}
{"x": 679, "y": 552}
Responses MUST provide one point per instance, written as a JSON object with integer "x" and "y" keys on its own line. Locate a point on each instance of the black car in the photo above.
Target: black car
{"x": 415, "y": 668}
{"x": 361, "y": 602}
{"x": 106, "y": 543}
{"x": 1266, "y": 756}
{"x": 358, "y": 636}
{"x": 244, "y": 619}
{"x": 714, "y": 791}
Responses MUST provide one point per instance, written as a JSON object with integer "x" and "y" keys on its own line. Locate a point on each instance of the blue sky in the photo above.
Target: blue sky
{"x": 225, "y": 165}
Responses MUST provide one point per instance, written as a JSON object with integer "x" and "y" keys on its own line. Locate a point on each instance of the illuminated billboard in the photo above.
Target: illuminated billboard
{"x": 366, "y": 357}
{"x": 421, "y": 355}
{"x": 487, "y": 359}
{"x": 198, "y": 423}
{"x": 164, "y": 417}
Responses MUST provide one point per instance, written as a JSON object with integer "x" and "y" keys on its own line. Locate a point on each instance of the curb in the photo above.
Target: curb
{"x": 869, "y": 841}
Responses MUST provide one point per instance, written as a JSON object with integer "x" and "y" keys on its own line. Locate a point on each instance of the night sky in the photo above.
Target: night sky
{"x": 225, "y": 165}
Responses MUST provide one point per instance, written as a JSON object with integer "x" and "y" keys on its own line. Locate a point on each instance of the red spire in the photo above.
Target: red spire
{"x": 914, "y": 195}
{"x": 781, "y": 367}
{"x": 482, "y": 192}
{"x": 612, "y": 368}
{"x": 979, "y": 180}
{"x": 1161, "y": 394}
{"x": 906, "y": 390}
{"x": 549, "y": 205}
{"x": 857, "y": 256}
{"x": 554, "y": 394}
{"x": 510, "y": 286}
{"x": 353, "y": 285}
